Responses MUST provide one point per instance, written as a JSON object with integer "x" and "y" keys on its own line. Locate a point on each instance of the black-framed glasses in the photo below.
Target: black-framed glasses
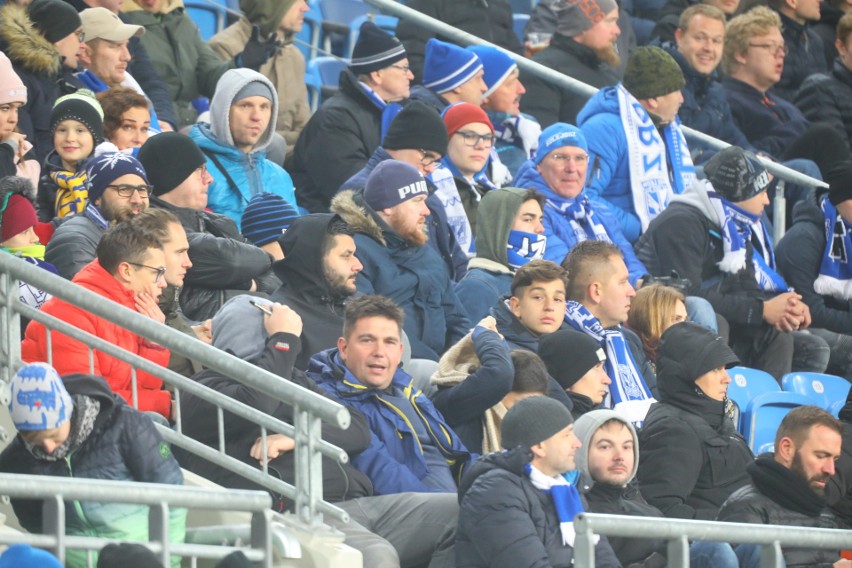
{"x": 773, "y": 48}
{"x": 472, "y": 138}
{"x": 81, "y": 35}
{"x": 161, "y": 271}
{"x": 403, "y": 68}
{"x": 427, "y": 159}
{"x": 126, "y": 189}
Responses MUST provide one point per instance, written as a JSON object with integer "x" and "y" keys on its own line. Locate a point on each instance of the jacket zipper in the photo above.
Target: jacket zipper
{"x": 405, "y": 419}
{"x": 77, "y": 506}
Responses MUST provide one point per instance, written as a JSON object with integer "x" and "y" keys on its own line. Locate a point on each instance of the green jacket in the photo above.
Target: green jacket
{"x": 187, "y": 65}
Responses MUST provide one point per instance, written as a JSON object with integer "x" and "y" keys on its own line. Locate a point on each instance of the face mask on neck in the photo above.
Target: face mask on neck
{"x": 523, "y": 247}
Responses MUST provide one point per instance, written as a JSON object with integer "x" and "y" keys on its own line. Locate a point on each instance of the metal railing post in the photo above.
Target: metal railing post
{"x": 158, "y": 529}
{"x": 10, "y": 325}
{"x": 53, "y": 523}
{"x": 261, "y": 536}
{"x": 779, "y": 212}
{"x": 771, "y": 556}
{"x": 584, "y": 543}
{"x": 678, "y": 552}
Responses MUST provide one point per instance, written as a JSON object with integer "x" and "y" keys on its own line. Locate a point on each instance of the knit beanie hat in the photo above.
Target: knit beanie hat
{"x": 39, "y": 399}
{"x": 569, "y": 354}
{"x": 448, "y": 66}
{"x": 253, "y": 89}
{"x": 533, "y": 420}
{"x": 574, "y": 17}
{"x": 736, "y": 174}
{"x": 127, "y": 555}
{"x": 839, "y": 179}
{"x": 54, "y": 19}
{"x": 651, "y": 72}
{"x": 19, "y": 555}
{"x": 12, "y": 89}
{"x": 266, "y": 217}
{"x": 393, "y": 182}
{"x": 375, "y": 49}
{"x": 18, "y": 216}
{"x": 690, "y": 350}
{"x": 238, "y": 328}
{"x": 83, "y": 107}
{"x": 106, "y": 168}
{"x": 170, "y": 158}
{"x": 558, "y": 135}
{"x": 417, "y": 126}
{"x": 458, "y": 115}
{"x": 497, "y": 64}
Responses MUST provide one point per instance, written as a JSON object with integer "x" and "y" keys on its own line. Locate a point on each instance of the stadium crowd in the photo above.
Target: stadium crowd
{"x": 517, "y": 291}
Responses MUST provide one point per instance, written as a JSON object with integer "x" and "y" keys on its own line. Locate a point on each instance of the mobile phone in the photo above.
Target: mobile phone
{"x": 264, "y": 309}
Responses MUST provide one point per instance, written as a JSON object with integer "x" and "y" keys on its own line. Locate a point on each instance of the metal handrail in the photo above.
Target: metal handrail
{"x": 54, "y": 491}
{"x": 564, "y": 81}
{"x": 680, "y": 531}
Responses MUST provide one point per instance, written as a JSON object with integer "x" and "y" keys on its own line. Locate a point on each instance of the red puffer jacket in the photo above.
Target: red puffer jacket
{"x": 71, "y": 356}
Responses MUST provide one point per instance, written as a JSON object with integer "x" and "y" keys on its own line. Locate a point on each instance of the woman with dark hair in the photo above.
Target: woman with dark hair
{"x": 127, "y": 120}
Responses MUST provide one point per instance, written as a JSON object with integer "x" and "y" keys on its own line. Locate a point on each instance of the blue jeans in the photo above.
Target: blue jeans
{"x": 749, "y": 555}
{"x": 700, "y": 311}
{"x": 712, "y": 555}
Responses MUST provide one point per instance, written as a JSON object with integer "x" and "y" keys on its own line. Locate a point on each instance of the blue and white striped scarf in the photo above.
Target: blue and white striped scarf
{"x": 580, "y": 215}
{"x": 835, "y": 271}
{"x": 566, "y": 501}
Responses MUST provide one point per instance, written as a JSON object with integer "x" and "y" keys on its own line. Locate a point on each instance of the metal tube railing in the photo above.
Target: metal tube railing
{"x": 679, "y": 531}
{"x": 54, "y": 491}
{"x": 564, "y": 81}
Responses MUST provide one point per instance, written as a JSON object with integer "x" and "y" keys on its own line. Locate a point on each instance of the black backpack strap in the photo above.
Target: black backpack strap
{"x": 231, "y": 182}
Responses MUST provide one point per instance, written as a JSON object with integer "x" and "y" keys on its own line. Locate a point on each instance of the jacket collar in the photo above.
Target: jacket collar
{"x": 585, "y": 54}
{"x": 841, "y": 73}
{"x": 94, "y": 277}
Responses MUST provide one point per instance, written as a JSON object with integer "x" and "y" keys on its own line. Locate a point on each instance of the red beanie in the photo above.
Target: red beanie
{"x": 461, "y": 114}
{"x": 18, "y": 216}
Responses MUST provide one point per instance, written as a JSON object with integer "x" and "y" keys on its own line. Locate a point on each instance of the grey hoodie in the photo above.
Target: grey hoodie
{"x": 696, "y": 196}
{"x": 585, "y": 428}
{"x": 220, "y": 107}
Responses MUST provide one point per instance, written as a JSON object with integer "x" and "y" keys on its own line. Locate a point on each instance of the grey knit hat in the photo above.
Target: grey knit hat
{"x": 532, "y": 421}
{"x": 651, "y": 72}
{"x": 574, "y": 17}
{"x": 736, "y": 174}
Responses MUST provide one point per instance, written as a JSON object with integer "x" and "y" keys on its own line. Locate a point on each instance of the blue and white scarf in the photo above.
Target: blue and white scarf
{"x": 738, "y": 228}
{"x": 581, "y": 217}
{"x": 566, "y": 501}
{"x": 448, "y": 193}
{"x": 92, "y": 212}
{"x": 389, "y": 110}
{"x": 648, "y": 156}
{"x": 628, "y": 393}
{"x": 523, "y": 247}
{"x": 835, "y": 271}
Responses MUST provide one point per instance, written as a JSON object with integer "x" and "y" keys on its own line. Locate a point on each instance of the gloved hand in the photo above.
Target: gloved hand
{"x": 257, "y": 52}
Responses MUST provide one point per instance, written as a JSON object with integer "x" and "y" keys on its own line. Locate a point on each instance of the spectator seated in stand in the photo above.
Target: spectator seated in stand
{"x": 451, "y": 75}
{"x": 653, "y": 310}
{"x": 265, "y": 219}
{"x": 127, "y": 121}
{"x": 17, "y": 156}
{"x": 576, "y": 361}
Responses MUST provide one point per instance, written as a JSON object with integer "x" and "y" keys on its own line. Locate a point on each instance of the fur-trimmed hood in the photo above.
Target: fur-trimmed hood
{"x": 349, "y": 204}
{"x": 26, "y": 47}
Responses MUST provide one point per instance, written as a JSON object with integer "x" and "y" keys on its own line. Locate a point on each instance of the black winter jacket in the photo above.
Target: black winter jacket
{"x": 505, "y": 522}
{"x": 74, "y": 244}
{"x": 337, "y": 142}
{"x": 692, "y": 430}
{"x": 806, "y": 57}
{"x": 779, "y": 496}
{"x": 826, "y": 29}
{"x": 340, "y": 481}
{"x": 827, "y": 97}
{"x": 799, "y": 255}
{"x": 223, "y": 262}
{"x": 490, "y": 20}
{"x": 549, "y": 103}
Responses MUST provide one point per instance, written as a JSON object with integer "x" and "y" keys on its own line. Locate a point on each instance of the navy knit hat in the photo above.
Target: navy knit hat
{"x": 558, "y": 135}
{"x": 569, "y": 354}
{"x": 54, "y": 19}
{"x": 106, "y": 168}
{"x": 266, "y": 217}
{"x": 418, "y": 126}
{"x": 533, "y": 420}
{"x": 497, "y": 64}
{"x": 448, "y": 66}
{"x": 375, "y": 49}
{"x": 170, "y": 158}
{"x": 393, "y": 182}
{"x": 83, "y": 107}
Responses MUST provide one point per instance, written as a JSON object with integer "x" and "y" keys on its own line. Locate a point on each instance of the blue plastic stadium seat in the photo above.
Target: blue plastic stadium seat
{"x": 522, "y": 6}
{"x": 325, "y": 73}
{"x": 765, "y": 413}
{"x": 823, "y": 390}
{"x": 336, "y": 17}
{"x": 746, "y": 384}
{"x": 308, "y": 39}
{"x": 520, "y": 23}
{"x": 209, "y": 18}
{"x": 386, "y": 23}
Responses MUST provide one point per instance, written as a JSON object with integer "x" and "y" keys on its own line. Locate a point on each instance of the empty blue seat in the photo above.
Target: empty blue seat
{"x": 746, "y": 384}
{"x": 336, "y": 17}
{"x": 325, "y": 73}
{"x": 386, "y": 23}
{"x": 764, "y": 414}
{"x": 308, "y": 39}
{"x": 210, "y": 18}
{"x": 520, "y": 23}
{"x": 823, "y": 390}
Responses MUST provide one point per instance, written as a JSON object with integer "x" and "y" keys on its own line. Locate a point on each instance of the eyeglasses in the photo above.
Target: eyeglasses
{"x": 81, "y": 35}
{"x": 773, "y": 48}
{"x": 427, "y": 159}
{"x": 473, "y": 139}
{"x": 126, "y": 190}
{"x": 403, "y": 68}
{"x": 161, "y": 271}
{"x": 578, "y": 159}
{"x": 202, "y": 169}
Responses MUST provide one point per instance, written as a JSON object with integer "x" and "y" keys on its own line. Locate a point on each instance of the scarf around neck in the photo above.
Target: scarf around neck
{"x": 835, "y": 272}
{"x": 448, "y": 193}
{"x": 566, "y": 501}
{"x": 649, "y": 156}
{"x": 785, "y": 487}
{"x": 738, "y": 229}
{"x": 522, "y": 247}
{"x": 581, "y": 217}
{"x": 389, "y": 110}
{"x": 83, "y": 418}
{"x": 628, "y": 393}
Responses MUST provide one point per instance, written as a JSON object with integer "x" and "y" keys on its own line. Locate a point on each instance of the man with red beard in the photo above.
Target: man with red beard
{"x": 389, "y": 220}
{"x": 583, "y": 48}
{"x": 788, "y": 486}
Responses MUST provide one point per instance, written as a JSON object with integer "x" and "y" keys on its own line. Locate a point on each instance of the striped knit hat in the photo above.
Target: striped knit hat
{"x": 448, "y": 66}
{"x": 374, "y": 50}
{"x": 266, "y": 217}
